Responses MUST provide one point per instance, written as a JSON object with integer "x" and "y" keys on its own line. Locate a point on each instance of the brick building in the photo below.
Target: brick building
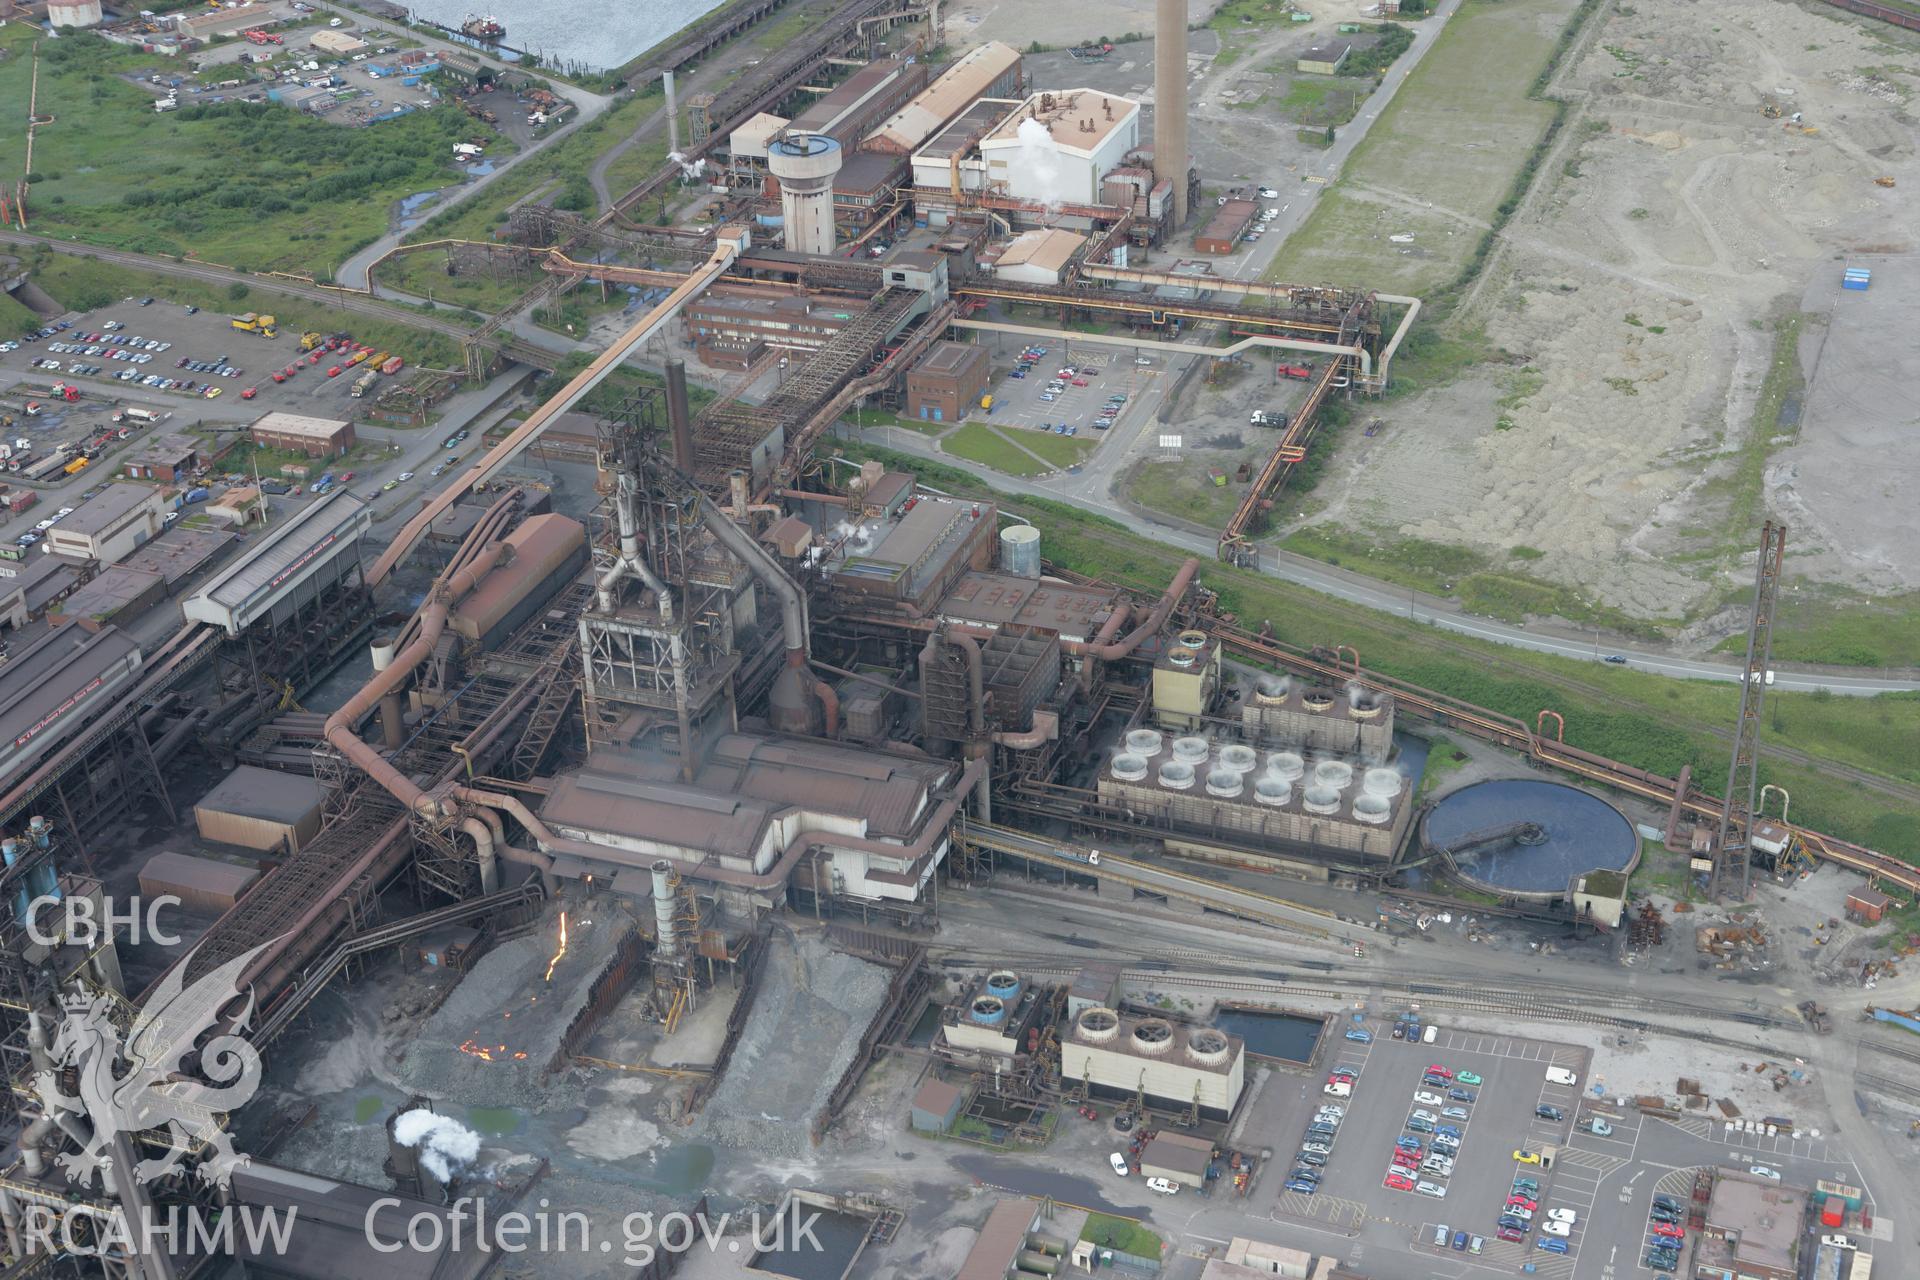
{"x": 295, "y": 433}
{"x": 948, "y": 381}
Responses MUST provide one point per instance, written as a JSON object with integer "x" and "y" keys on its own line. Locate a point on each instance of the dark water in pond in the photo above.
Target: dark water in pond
{"x": 1287, "y": 1036}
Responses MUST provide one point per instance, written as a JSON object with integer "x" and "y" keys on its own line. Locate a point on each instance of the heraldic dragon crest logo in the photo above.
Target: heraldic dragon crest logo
{"x": 147, "y": 1083}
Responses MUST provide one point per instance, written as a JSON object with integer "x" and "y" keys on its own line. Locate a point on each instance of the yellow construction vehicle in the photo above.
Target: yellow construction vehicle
{"x": 309, "y": 340}
{"x": 1769, "y": 108}
{"x": 257, "y": 324}
{"x": 1883, "y": 182}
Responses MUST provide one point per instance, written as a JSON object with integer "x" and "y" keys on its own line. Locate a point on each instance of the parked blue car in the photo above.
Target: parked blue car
{"x": 1360, "y": 1034}
{"x": 1552, "y": 1245}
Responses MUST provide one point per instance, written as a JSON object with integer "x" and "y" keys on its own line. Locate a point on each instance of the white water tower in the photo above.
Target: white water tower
{"x": 806, "y": 165}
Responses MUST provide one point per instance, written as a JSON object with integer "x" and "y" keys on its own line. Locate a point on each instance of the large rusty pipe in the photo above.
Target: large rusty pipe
{"x": 1046, "y": 727}
{"x": 433, "y": 620}
{"x": 1155, "y": 620}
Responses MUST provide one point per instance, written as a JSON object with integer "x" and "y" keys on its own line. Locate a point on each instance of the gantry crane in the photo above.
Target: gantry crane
{"x": 1732, "y": 855}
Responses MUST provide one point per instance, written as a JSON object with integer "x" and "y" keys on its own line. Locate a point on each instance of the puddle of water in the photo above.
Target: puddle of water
{"x": 495, "y": 1122}
{"x": 682, "y": 1170}
{"x": 365, "y": 1110}
{"x": 482, "y": 169}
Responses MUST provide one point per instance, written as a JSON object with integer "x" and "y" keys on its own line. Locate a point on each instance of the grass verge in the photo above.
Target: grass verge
{"x": 977, "y": 442}
{"x": 1124, "y": 1234}
{"x": 1629, "y": 715}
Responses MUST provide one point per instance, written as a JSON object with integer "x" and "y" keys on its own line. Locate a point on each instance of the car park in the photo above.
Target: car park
{"x": 1455, "y": 1113}
{"x": 1317, "y": 1149}
{"x": 1560, "y": 1075}
{"x": 1597, "y": 1127}
{"x": 1560, "y": 1213}
{"x": 1519, "y": 1200}
{"x": 1441, "y": 1234}
{"x": 1546, "y": 1111}
{"x": 1552, "y": 1245}
{"x": 1433, "y": 1189}
{"x": 1476, "y": 1243}
{"x": 1360, "y": 1035}
{"x": 1527, "y": 1157}
{"x": 1459, "y": 1242}
{"x": 1313, "y": 1158}
{"x": 1429, "y": 1099}
{"x": 1557, "y": 1228}
{"x": 1762, "y": 1171}
{"x": 1399, "y": 1182}
{"x": 1463, "y": 1095}
{"x": 1670, "y": 1229}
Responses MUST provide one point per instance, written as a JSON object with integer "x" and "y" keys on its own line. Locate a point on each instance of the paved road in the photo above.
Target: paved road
{"x": 1444, "y": 614}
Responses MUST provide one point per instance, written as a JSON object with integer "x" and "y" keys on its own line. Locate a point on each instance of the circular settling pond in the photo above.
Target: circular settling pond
{"x": 1522, "y": 838}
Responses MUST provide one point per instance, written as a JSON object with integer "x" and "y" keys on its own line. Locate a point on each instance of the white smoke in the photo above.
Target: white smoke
{"x": 445, "y": 1144}
{"x": 688, "y": 170}
{"x": 1041, "y": 169}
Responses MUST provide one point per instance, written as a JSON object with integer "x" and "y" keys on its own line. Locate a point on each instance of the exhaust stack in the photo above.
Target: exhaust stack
{"x": 1170, "y": 101}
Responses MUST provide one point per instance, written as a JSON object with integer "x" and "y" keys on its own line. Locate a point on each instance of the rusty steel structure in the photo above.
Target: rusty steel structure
{"x": 1733, "y": 848}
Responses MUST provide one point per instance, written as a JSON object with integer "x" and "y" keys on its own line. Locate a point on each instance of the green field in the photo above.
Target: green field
{"x": 1061, "y": 451}
{"x": 241, "y": 184}
{"x": 85, "y": 284}
{"x": 1620, "y": 712}
{"x": 1183, "y": 489}
{"x": 978, "y": 442}
{"x": 1457, "y": 135}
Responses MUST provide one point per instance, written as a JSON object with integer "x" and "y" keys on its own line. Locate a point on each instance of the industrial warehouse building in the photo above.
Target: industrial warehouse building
{"x": 1174, "y": 1067}
{"x": 338, "y": 43}
{"x": 317, "y": 438}
{"x": 1229, "y": 223}
{"x": 730, "y": 328}
{"x": 991, "y": 70}
{"x": 1035, "y": 257}
{"x": 1086, "y": 134}
{"x": 109, "y": 527}
{"x": 170, "y": 459}
{"x": 948, "y": 381}
{"x": 1003, "y": 1241}
{"x": 260, "y": 809}
{"x": 1177, "y": 1157}
{"x": 296, "y": 433}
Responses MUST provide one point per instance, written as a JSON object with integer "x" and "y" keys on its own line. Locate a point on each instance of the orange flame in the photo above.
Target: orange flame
{"x": 563, "y": 947}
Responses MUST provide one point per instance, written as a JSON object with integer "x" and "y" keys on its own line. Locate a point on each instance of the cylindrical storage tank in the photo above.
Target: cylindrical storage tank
{"x": 987, "y": 1011}
{"x": 1382, "y": 782}
{"x": 1207, "y": 1047}
{"x": 1224, "y": 783}
{"x": 1372, "y": 808}
{"x": 1005, "y": 986}
{"x": 666, "y": 941}
{"x": 1128, "y": 767}
{"x": 1146, "y": 743}
{"x": 1098, "y": 1025}
{"x": 1190, "y": 750}
{"x": 1272, "y": 791}
{"x": 1237, "y": 758}
{"x": 1176, "y": 776}
{"x": 1038, "y": 1264}
{"x": 1287, "y": 766}
{"x": 1020, "y": 550}
{"x": 73, "y": 13}
{"x": 1334, "y": 774}
{"x": 41, "y": 830}
{"x": 1152, "y": 1036}
{"x": 1321, "y": 800}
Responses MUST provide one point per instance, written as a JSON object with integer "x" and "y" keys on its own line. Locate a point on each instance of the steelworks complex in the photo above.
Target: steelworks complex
{"x": 721, "y": 726}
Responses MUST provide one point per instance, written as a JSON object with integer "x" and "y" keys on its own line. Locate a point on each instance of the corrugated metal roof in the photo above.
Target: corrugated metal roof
{"x": 1000, "y": 1242}
{"x": 325, "y": 527}
{"x": 957, "y": 88}
{"x": 1049, "y": 249}
{"x": 98, "y": 514}
{"x": 223, "y": 879}
{"x": 296, "y": 424}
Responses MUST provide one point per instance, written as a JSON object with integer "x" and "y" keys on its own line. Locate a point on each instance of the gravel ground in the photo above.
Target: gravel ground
{"x": 1632, "y": 305}
{"x": 812, "y": 1006}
